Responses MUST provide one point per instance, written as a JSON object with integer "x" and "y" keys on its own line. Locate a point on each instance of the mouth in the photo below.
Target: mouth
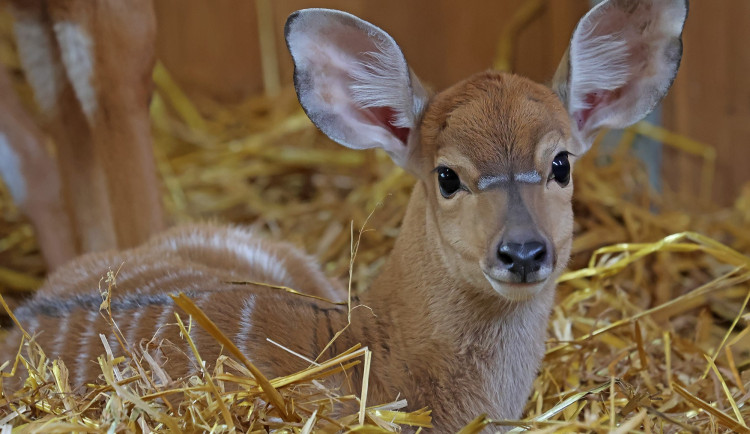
{"x": 513, "y": 287}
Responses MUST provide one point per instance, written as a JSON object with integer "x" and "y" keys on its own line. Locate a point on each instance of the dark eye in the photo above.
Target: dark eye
{"x": 448, "y": 181}
{"x": 561, "y": 169}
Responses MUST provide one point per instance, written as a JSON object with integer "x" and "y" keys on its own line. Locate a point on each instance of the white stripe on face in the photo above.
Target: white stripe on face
{"x": 530, "y": 177}
{"x": 487, "y": 182}
{"x": 490, "y": 181}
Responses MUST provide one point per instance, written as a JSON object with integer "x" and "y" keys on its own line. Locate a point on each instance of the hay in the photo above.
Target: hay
{"x": 650, "y": 331}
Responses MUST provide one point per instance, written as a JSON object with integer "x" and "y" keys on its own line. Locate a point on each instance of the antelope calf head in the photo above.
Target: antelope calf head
{"x": 493, "y": 154}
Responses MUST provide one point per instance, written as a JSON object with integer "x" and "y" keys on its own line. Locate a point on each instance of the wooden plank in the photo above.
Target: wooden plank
{"x": 443, "y": 41}
{"x": 710, "y": 100}
{"x": 210, "y": 47}
{"x": 212, "y": 50}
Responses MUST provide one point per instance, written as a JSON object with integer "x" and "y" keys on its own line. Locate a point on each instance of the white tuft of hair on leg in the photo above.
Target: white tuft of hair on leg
{"x": 10, "y": 171}
{"x": 77, "y": 51}
{"x": 36, "y": 51}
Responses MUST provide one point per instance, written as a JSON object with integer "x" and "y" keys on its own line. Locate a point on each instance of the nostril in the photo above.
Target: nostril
{"x": 505, "y": 258}
{"x": 534, "y": 252}
{"x": 540, "y": 255}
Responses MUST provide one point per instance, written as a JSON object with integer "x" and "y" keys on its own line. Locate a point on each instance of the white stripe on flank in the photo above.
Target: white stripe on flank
{"x": 199, "y": 301}
{"x": 161, "y": 321}
{"x": 134, "y": 326}
{"x": 246, "y": 325}
{"x": 114, "y": 344}
{"x": 61, "y": 336}
{"x": 84, "y": 351}
{"x": 32, "y": 323}
{"x": 255, "y": 255}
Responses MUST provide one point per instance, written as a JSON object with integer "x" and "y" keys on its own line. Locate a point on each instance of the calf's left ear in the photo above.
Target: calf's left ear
{"x": 622, "y": 59}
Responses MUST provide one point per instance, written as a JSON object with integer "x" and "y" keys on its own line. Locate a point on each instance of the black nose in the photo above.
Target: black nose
{"x": 522, "y": 259}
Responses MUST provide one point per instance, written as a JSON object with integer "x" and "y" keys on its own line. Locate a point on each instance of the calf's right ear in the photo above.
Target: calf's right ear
{"x": 353, "y": 81}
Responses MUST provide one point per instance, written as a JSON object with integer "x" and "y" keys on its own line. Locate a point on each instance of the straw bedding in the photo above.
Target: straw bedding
{"x": 649, "y": 333}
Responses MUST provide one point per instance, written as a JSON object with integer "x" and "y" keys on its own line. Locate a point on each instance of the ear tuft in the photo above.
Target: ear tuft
{"x": 382, "y": 80}
{"x": 353, "y": 81}
{"x": 609, "y": 71}
{"x": 621, "y": 61}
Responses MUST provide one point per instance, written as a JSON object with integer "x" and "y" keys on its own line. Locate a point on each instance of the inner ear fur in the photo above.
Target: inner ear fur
{"x": 622, "y": 59}
{"x": 353, "y": 81}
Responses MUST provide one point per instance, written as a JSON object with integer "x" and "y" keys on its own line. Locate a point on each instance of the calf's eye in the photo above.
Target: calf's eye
{"x": 561, "y": 169}
{"x": 448, "y": 181}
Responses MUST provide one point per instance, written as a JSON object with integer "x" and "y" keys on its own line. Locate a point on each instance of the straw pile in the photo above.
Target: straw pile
{"x": 650, "y": 332}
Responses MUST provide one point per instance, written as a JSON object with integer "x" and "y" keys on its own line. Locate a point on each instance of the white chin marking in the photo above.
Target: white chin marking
{"x": 516, "y": 291}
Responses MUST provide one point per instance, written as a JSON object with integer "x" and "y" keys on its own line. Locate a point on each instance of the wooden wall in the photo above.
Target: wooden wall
{"x": 710, "y": 99}
{"x": 212, "y": 49}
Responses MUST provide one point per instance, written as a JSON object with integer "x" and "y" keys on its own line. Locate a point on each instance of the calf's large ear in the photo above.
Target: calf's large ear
{"x": 622, "y": 59}
{"x": 353, "y": 81}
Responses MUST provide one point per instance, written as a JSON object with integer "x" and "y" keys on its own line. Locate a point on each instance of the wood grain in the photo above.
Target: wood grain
{"x": 212, "y": 48}
{"x": 710, "y": 100}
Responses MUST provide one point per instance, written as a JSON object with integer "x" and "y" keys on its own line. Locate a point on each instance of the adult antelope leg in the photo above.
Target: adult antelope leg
{"x": 107, "y": 49}
{"x": 30, "y": 171}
